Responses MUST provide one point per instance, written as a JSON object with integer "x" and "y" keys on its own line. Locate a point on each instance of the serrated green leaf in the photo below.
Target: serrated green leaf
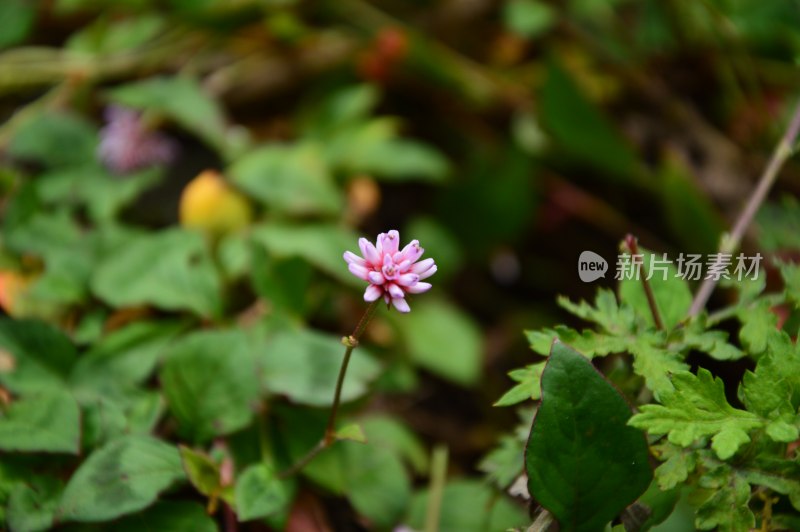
{"x": 288, "y": 178}
{"x": 260, "y": 493}
{"x": 587, "y": 341}
{"x": 780, "y": 475}
{"x": 727, "y": 508}
{"x": 697, "y": 408}
{"x": 122, "y": 477}
{"x": 757, "y": 323}
{"x": 587, "y": 470}
{"x": 171, "y": 270}
{"x": 505, "y": 462}
{"x": 45, "y": 421}
{"x": 655, "y": 364}
{"x": 676, "y": 469}
{"x": 210, "y": 381}
{"x": 529, "y": 386}
{"x": 614, "y": 318}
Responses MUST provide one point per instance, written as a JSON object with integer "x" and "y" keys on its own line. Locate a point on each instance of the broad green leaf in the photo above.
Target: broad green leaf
{"x": 260, "y": 493}
{"x": 581, "y": 129}
{"x": 16, "y": 21}
{"x": 399, "y": 159}
{"x": 304, "y": 365}
{"x": 377, "y": 482}
{"x": 125, "y": 357}
{"x": 529, "y": 386}
{"x": 289, "y": 179}
{"x": 671, "y": 293}
{"x": 341, "y": 109}
{"x": 468, "y": 506}
{"x": 106, "y": 36}
{"x": 391, "y": 433}
{"x": 172, "y": 516}
{"x": 171, "y": 270}
{"x": 528, "y": 18}
{"x": 201, "y": 471}
{"x": 695, "y": 409}
{"x": 32, "y": 504}
{"x": 587, "y": 470}
{"x": 114, "y": 412}
{"x": 39, "y": 356}
{"x": 44, "y": 421}
{"x": 442, "y": 339}
{"x": 181, "y": 99}
{"x": 55, "y": 139}
{"x": 320, "y": 244}
{"x": 210, "y": 382}
{"x": 122, "y": 477}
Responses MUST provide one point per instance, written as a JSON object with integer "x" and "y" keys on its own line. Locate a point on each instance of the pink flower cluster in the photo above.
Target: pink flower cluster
{"x": 391, "y": 272}
{"x": 126, "y": 145}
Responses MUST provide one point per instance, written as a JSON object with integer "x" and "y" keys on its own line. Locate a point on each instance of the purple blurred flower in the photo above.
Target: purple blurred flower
{"x": 390, "y": 272}
{"x": 127, "y": 145}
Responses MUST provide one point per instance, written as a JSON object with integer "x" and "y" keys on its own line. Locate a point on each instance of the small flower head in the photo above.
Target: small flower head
{"x": 126, "y": 145}
{"x": 390, "y": 271}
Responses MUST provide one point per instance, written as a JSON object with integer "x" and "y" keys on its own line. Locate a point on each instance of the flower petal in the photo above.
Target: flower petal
{"x": 401, "y": 304}
{"x": 352, "y": 258}
{"x": 390, "y": 242}
{"x": 372, "y": 293}
{"x": 358, "y": 270}
{"x": 407, "y": 279}
{"x": 427, "y": 273}
{"x": 369, "y": 252}
{"x": 411, "y": 252}
{"x": 418, "y": 288}
{"x": 421, "y": 266}
{"x": 375, "y": 277}
{"x": 395, "y": 291}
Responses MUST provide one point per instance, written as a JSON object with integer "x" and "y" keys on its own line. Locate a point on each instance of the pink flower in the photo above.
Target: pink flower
{"x": 390, "y": 272}
{"x": 126, "y": 145}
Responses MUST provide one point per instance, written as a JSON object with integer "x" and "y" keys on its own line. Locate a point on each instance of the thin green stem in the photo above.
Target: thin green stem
{"x": 633, "y": 247}
{"x": 329, "y": 438}
{"x": 730, "y": 243}
{"x": 436, "y": 491}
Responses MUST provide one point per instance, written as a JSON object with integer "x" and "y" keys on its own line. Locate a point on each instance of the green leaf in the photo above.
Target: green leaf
{"x": 201, "y": 471}
{"x": 584, "y": 463}
{"x": 654, "y": 363}
{"x": 47, "y": 421}
{"x": 32, "y": 504}
{"x": 320, "y": 244}
{"x": 727, "y": 508}
{"x": 616, "y": 319}
{"x": 259, "y": 493}
{"x": 582, "y": 130}
{"x": 442, "y": 339}
{"x": 529, "y": 386}
{"x": 588, "y": 342}
{"x": 400, "y": 160}
{"x": 122, "y": 477}
{"x": 341, "y": 109}
{"x": 181, "y": 99}
{"x": 388, "y": 432}
{"x": 528, "y": 18}
{"x": 304, "y": 365}
{"x": 671, "y": 293}
{"x": 41, "y": 356}
{"x": 289, "y": 179}
{"x": 504, "y": 463}
{"x": 126, "y": 357}
{"x": 676, "y": 468}
{"x": 757, "y": 323}
{"x": 696, "y": 409}
{"x": 468, "y": 506}
{"x": 210, "y": 382}
{"x": 107, "y": 36}
{"x": 175, "y": 516}
{"x": 171, "y": 270}
{"x": 352, "y": 432}
{"x": 16, "y": 21}
{"x": 55, "y": 139}
{"x": 779, "y": 475}
{"x": 779, "y": 224}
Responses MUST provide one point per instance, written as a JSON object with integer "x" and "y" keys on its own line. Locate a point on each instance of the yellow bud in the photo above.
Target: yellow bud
{"x": 209, "y": 203}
